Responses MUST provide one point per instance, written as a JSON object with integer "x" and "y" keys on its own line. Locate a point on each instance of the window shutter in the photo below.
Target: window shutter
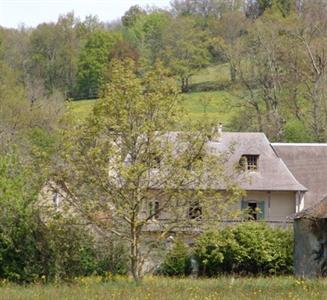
{"x": 244, "y": 204}
{"x": 151, "y": 211}
{"x": 261, "y": 213}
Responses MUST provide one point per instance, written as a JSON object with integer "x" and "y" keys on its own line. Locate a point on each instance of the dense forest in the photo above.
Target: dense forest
{"x": 266, "y": 57}
{"x": 274, "y": 49}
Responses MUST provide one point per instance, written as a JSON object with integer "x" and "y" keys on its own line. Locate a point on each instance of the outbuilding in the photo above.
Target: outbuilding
{"x": 310, "y": 247}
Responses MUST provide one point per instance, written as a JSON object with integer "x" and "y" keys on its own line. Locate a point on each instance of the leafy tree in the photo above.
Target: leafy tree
{"x": 53, "y": 50}
{"x": 154, "y": 27}
{"x": 18, "y": 248}
{"x": 93, "y": 63}
{"x": 124, "y": 168}
{"x": 226, "y": 33}
{"x": 132, "y": 15}
{"x": 186, "y": 49}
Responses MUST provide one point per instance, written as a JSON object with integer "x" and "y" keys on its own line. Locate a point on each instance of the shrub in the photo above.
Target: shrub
{"x": 57, "y": 251}
{"x": 31, "y": 249}
{"x": 73, "y": 251}
{"x": 248, "y": 248}
{"x": 177, "y": 260}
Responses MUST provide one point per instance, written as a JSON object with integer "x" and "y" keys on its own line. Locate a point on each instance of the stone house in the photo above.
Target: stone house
{"x": 280, "y": 179}
{"x": 271, "y": 188}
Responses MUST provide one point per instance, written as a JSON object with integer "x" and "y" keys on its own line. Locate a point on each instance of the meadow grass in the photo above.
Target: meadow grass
{"x": 214, "y": 104}
{"x": 217, "y": 73}
{"x": 161, "y": 288}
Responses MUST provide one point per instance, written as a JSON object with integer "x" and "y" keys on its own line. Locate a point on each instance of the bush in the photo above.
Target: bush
{"x": 57, "y": 251}
{"x": 177, "y": 260}
{"x": 249, "y": 248}
{"x": 73, "y": 251}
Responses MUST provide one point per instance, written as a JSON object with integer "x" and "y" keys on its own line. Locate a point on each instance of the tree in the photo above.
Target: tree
{"x": 258, "y": 7}
{"x": 205, "y": 8}
{"x": 312, "y": 40}
{"x": 52, "y": 59}
{"x": 226, "y": 33}
{"x": 131, "y": 16}
{"x": 186, "y": 49}
{"x": 265, "y": 69}
{"x": 93, "y": 62}
{"x": 146, "y": 34}
{"x": 125, "y": 170}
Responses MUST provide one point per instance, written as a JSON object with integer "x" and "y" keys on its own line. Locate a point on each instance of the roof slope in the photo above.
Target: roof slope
{"x": 272, "y": 173}
{"x": 308, "y": 163}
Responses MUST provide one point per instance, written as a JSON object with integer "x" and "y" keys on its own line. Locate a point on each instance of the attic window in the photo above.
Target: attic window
{"x": 249, "y": 162}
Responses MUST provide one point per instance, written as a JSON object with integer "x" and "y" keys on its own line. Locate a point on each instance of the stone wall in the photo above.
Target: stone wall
{"x": 310, "y": 247}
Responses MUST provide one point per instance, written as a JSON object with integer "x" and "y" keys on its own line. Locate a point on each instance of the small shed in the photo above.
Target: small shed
{"x": 310, "y": 236}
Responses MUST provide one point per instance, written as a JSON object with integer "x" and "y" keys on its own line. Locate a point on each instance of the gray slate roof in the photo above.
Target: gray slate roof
{"x": 308, "y": 163}
{"x": 272, "y": 173}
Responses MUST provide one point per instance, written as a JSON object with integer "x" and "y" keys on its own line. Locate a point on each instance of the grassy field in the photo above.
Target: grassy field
{"x": 196, "y": 104}
{"x": 170, "y": 288}
{"x": 213, "y": 103}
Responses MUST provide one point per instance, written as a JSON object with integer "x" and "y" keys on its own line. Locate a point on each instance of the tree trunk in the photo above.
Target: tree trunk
{"x": 135, "y": 259}
{"x": 185, "y": 85}
{"x": 232, "y": 71}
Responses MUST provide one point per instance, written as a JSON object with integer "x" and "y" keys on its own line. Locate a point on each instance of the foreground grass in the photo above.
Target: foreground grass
{"x": 172, "y": 288}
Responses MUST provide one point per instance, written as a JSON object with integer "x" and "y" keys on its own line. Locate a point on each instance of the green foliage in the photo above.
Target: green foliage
{"x": 30, "y": 249}
{"x": 19, "y": 253}
{"x": 249, "y": 248}
{"x": 295, "y": 131}
{"x": 72, "y": 251}
{"x": 93, "y": 63}
{"x": 132, "y": 15}
{"x": 186, "y": 49}
{"x": 177, "y": 260}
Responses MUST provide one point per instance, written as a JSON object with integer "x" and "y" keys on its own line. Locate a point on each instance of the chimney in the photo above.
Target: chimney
{"x": 220, "y": 129}
{"x": 217, "y": 132}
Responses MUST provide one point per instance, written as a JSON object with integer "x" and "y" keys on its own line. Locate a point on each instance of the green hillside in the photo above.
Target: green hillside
{"x": 209, "y": 94}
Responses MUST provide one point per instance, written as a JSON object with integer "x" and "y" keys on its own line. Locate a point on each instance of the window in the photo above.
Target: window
{"x": 195, "y": 211}
{"x": 154, "y": 209}
{"x": 255, "y": 210}
{"x": 249, "y": 162}
{"x": 155, "y": 160}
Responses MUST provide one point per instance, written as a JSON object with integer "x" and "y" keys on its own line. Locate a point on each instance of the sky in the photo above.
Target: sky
{"x": 14, "y": 13}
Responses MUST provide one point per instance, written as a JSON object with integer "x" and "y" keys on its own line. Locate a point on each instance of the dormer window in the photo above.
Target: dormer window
{"x": 249, "y": 162}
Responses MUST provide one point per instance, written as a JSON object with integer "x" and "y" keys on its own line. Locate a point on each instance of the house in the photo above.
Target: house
{"x": 284, "y": 178}
{"x": 280, "y": 179}
{"x": 271, "y": 188}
